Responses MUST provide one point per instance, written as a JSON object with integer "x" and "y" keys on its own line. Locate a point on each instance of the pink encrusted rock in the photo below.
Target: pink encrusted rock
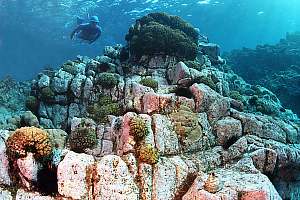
{"x": 218, "y": 109}
{"x": 164, "y": 180}
{"x": 145, "y": 173}
{"x": 4, "y": 177}
{"x": 169, "y": 175}
{"x": 151, "y": 102}
{"x": 131, "y": 163}
{"x": 114, "y": 180}
{"x": 287, "y": 155}
{"x": 209, "y": 101}
{"x": 180, "y": 73}
{"x": 264, "y": 160}
{"x": 182, "y": 171}
{"x": 160, "y": 103}
{"x": 255, "y": 195}
{"x": 166, "y": 139}
{"x": 28, "y": 167}
{"x": 265, "y": 127}
{"x": 126, "y": 141}
{"x": 107, "y": 147}
{"x": 71, "y": 175}
{"x": 227, "y": 129}
{"x": 138, "y": 91}
{"x": 157, "y": 103}
{"x": 190, "y": 103}
{"x": 25, "y": 195}
{"x": 232, "y": 183}
{"x": 196, "y": 194}
{"x": 167, "y": 102}
{"x": 250, "y": 123}
{"x": 236, "y": 150}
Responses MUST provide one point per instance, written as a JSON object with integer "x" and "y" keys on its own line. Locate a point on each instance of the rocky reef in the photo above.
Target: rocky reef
{"x": 150, "y": 127}
{"x": 277, "y": 67}
{"x": 12, "y": 99}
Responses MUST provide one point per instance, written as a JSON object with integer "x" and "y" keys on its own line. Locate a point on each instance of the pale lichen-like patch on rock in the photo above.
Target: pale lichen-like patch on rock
{"x": 71, "y": 175}
{"x": 114, "y": 180}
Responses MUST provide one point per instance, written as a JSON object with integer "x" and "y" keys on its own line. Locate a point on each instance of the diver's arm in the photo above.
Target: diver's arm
{"x": 75, "y": 31}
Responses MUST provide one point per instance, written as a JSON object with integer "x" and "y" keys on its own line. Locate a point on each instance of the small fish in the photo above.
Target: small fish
{"x": 204, "y": 2}
{"x": 260, "y": 13}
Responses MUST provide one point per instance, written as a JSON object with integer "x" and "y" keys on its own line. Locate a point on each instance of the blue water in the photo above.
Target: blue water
{"x": 35, "y": 33}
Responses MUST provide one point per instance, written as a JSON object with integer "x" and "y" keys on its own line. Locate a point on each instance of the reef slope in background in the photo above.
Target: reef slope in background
{"x": 156, "y": 126}
{"x": 277, "y": 67}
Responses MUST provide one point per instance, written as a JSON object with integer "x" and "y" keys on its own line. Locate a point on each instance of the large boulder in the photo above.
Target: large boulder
{"x": 60, "y": 83}
{"x": 227, "y": 130}
{"x": 233, "y": 185}
{"x": 209, "y": 101}
{"x": 72, "y": 175}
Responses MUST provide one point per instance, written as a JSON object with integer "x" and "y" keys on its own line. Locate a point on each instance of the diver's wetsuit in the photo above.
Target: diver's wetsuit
{"x": 87, "y": 32}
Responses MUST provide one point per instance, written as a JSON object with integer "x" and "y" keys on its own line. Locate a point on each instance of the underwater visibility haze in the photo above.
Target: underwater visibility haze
{"x": 34, "y": 34}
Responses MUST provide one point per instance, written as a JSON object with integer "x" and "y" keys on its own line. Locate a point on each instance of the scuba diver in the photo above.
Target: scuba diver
{"x": 88, "y": 32}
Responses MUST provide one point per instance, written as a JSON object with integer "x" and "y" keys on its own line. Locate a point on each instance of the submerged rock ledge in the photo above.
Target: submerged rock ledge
{"x": 160, "y": 127}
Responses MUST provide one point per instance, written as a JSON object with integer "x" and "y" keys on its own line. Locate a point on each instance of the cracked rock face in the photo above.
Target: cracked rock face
{"x": 81, "y": 177}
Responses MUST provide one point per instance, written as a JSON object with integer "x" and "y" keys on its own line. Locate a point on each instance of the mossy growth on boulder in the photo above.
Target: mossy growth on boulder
{"x": 236, "y": 95}
{"x": 253, "y": 100}
{"x": 69, "y": 67}
{"x": 138, "y": 128}
{"x": 147, "y": 154}
{"x": 160, "y": 33}
{"x": 107, "y": 80}
{"x": 106, "y": 67}
{"x": 32, "y": 104}
{"x": 266, "y": 107}
{"x": 149, "y": 82}
{"x": 81, "y": 138}
{"x": 194, "y": 64}
{"x": 47, "y": 94}
{"x": 207, "y": 80}
{"x": 186, "y": 125}
{"x": 105, "y": 106}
